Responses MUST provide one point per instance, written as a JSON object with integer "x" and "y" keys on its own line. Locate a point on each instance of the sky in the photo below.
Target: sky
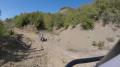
{"x": 10, "y": 8}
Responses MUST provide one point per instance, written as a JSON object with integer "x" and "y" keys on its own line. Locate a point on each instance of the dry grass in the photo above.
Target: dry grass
{"x": 99, "y": 45}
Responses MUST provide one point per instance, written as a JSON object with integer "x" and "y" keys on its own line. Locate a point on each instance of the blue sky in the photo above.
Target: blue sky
{"x": 11, "y": 8}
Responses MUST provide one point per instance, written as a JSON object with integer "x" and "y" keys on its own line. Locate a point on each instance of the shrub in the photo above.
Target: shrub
{"x": 48, "y": 22}
{"x": 87, "y": 16}
{"x": 109, "y": 10}
{"x": 58, "y": 21}
{"x": 88, "y": 24}
{"x": 3, "y": 30}
{"x": 36, "y": 19}
{"x": 94, "y": 43}
{"x": 99, "y": 44}
{"x": 68, "y": 18}
{"x": 21, "y": 20}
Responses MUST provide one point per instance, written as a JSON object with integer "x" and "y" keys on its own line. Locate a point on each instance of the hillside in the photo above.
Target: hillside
{"x": 68, "y": 45}
{"x": 86, "y": 15}
{"x": 88, "y": 31}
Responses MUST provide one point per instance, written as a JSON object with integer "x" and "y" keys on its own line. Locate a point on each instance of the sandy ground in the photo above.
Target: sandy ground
{"x": 76, "y": 43}
{"x": 70, "y": 44}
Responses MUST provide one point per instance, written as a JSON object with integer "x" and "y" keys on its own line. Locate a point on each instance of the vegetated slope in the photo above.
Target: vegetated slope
{"x": 36, "y": 54}
{"x": 105, "y": 10}
{"x": 18, "y": 49}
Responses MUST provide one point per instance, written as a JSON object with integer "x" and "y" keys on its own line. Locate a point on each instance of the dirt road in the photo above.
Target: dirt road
{"x": 69, "y": 45}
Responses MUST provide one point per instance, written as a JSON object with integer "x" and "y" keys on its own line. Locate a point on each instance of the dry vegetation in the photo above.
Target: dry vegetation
{"x": 99, "y": 45}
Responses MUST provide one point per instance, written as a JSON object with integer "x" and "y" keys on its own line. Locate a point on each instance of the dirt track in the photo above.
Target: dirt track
{"x": 66, "y": 46}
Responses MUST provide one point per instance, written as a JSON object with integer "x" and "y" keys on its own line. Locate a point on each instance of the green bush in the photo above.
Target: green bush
{"x": 36, "y": 19}
{"x": 58, "y": 20}
{"x": 87, "y": 16}
{"x": 109, "y": 10}
{"x": 48, "y": 21}
{"x": 3, "y": 30}
{"x": 21, "y": 20}
{"x": 88, "y": 24}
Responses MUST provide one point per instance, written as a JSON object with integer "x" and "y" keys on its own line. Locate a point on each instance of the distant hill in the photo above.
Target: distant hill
{"x": 64, "y": 9}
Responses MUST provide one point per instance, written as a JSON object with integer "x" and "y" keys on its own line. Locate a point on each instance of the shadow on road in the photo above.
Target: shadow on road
{"x": 12, "y": 49}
